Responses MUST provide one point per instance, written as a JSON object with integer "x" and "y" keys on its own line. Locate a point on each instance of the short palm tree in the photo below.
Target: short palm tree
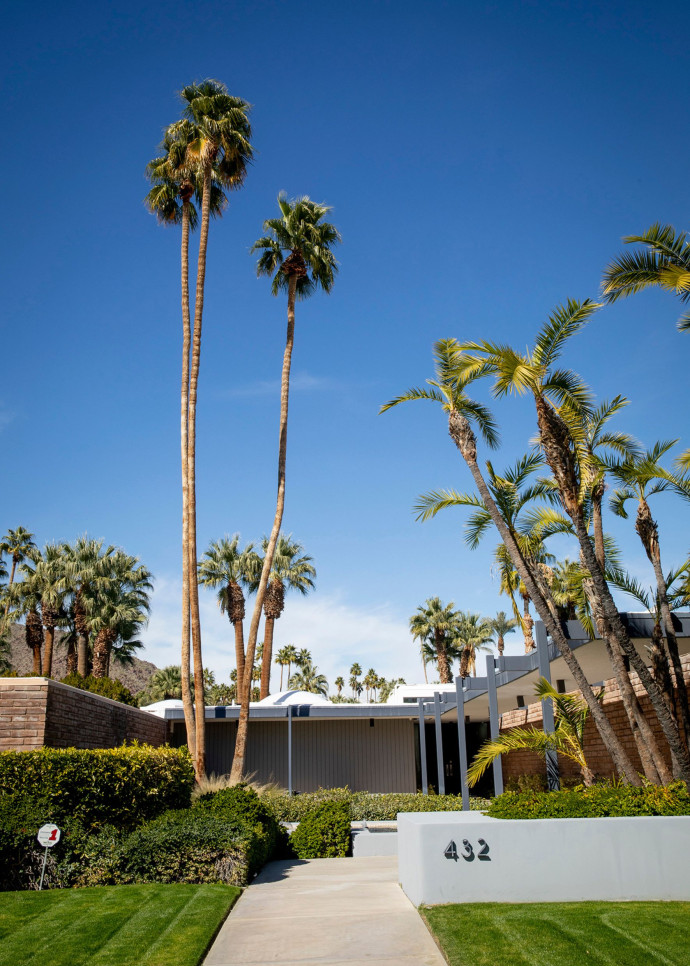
{"x": 340, "y": 684}
{"x": 501, "y": 625}
{"x": 291, "y": 570}
{"x": 664, "y": 261}
{"x": 309, "y": 679}
{"x": 232, "y": 571}
{"x": 87, "y": 567}
{"x": 437, "y": 621}
{"x": 473, "y": 633}
{"x": 571, "y": 714}
{"x": 301, "y": 234}
{"x": 18, "y": 545}
{"x": 45, "y": 574}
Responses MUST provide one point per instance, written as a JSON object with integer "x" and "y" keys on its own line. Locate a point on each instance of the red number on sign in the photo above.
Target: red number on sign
{"x": 53, "y": 835}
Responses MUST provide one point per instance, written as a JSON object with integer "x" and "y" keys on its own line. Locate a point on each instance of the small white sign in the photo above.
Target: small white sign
{"x": 48, "y": 835}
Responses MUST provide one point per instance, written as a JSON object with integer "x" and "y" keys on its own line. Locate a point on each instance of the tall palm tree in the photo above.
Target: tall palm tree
{"x": 289, "y": 653}
{"x": 643, "y": 476}
{"x": 176, "y": 178}
{"x": 438, "y": 621}
{"x": 340, "y": 684}
{"x": 87, "y": 566}
{"x": 561, "y": 399}
{"x": 301, "y": 231}
{"x": 449, "y": 389}
{"x": 18, "y": 545}
{"x": 223, "y": 151}
{"x": 232, "y": 570}
{"x": 45, "y": 574}
{"x": 355, "y": 672}
{"x": 370, "y": 681}
{"x": 290, "y": 570}
{"x": 304, "y": 657}
{"x": 473, "y": 633}
{"x": 501, "y": 625}
{"x": 664, "y": 262}
{"x": 117, "y": 606}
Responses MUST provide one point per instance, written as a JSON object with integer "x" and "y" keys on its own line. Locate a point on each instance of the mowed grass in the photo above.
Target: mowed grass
{"x": 136, "y": 925}
{"x": 563, "y": 933}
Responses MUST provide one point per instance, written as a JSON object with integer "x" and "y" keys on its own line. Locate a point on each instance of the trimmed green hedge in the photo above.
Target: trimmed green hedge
{"x": 112, "y": 786}
{"x": 323, "y": 833}
{"x": 598, "y": 801}
{"x": 365, "y": 805}
{"x": 241, "y": 804}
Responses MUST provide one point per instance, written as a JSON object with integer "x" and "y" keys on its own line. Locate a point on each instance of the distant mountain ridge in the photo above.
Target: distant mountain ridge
{"x": 135, "y": 677}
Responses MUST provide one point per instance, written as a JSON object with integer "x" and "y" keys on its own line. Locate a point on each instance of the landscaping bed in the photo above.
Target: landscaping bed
{"x": 365, "y": 806}
{"x": 562, "y": 934}
{"x": 150, "y": 925}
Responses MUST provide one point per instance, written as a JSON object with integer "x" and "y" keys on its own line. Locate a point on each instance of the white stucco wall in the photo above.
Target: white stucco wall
{"x": 543, "y": 860}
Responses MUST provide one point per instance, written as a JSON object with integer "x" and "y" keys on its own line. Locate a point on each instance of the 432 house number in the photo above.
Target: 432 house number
{"x": 468, "y": 851}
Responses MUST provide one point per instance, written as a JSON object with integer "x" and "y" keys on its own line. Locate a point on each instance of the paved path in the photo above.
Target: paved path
{"x": 342, "y": 912}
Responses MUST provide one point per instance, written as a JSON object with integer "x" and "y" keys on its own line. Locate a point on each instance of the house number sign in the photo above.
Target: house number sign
{"x": 467, "y": 852}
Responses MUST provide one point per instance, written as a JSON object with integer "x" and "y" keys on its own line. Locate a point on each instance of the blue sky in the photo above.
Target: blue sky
{"x": 483, "y": 162}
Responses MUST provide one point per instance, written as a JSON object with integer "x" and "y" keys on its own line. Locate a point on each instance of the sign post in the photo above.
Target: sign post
{"x": 48, "y": 835}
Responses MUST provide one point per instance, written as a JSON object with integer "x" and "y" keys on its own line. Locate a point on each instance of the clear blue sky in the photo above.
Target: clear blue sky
{"x": 483, "y": 162}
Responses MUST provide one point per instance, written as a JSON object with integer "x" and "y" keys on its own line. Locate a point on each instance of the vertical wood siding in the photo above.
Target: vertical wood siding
{"x": 326, "y": 754}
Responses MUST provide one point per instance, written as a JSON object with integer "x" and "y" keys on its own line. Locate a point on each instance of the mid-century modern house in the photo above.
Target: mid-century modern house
{"x": 303, "y": 741}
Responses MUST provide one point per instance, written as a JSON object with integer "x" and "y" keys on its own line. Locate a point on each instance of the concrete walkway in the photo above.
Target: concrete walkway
{"x": 342, "y": 912}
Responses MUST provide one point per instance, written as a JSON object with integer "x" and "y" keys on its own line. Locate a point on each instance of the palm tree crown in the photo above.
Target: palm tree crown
{"x": 222, "y": 131}
{"x": 296, "y": 243}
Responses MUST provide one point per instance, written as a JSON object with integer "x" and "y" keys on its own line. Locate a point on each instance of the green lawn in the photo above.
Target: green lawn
{"x": 563, "y": 933}
{"x": 136, "y": 925}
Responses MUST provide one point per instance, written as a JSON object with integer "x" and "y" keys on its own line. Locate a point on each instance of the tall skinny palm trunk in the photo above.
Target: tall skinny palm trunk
{"x": 239, "y": 758}
{"x": 527, "y": 623}
{"x": 187, "y": 702}
{"x": 266, "y": 658}
{"x": 555, "y": 439}
{"x": 649, "y": 535}
{"x": 463, "y": 437}
{"x": 82, "y": 629}
{"x": 200, "y": 756}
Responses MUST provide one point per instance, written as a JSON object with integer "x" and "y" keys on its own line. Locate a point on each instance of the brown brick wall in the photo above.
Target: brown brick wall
{"x": 36, "y": 712}
{"x": 524, "y": 763}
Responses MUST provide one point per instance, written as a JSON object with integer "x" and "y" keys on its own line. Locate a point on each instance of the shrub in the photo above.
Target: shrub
{"x": 324, "y": 833}
{"x": 188, "y": 845}
{"x": 114, "y": 786}
{"x": 365, "y": 805}
{"x": 597, "y": 801}
{"x": 106, "y": 687}
{"x": 241, "y": 804}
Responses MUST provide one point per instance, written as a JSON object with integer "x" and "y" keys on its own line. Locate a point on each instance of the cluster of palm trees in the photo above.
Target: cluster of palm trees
{"x": 559, "y": 488}
{"x": 204, "y": 155}
{"x": 446, "y": 635}
{"x": 375, "y": 687}
{"x": 97, "y": 595}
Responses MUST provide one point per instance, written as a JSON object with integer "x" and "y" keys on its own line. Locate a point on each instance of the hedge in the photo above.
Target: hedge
{"x": 597, "y": 801}
{"x": 241, "y": 804}
{"x": 114, "y": 786}
{"x": 106, "y": 687}
{"x": 365, "y": 805}
{"x": 323, "y": 833}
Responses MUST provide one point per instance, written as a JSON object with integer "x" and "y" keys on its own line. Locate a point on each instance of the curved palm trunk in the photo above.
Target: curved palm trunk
{"x": 653, "y": 763}
{"x": 266, "y": 658}
{"x": 187, "y": 701}
{"x": 241, "y": 740}
{"x": 200, "y": 757}
{"x": 555, "y": 441}
{"x": 463, "y": 437}
{"x": 649, "y": 535}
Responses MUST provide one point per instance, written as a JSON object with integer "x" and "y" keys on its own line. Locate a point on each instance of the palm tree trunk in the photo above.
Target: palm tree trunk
{"x": 185, "y": 673}
{"x": 465, "y": 663}
{"x": 266, "y": 658}
{"x": 100, "y": 654}
{"x": 200, "y": 758}
{"x": 500, "y": 645}
{"x": 239, "y": 652}
{"x": 426, "y": 679}
{"x": 9, "y": 586}
{"x": 48, "y": 651}
{"x": 527, "y": 624}
{"x": 649, "y": 535}
{"x": 242, "y": 727}
{"x": 71, "y": 661}
{"x": 598, "y": 526}
{"x": 463, "y": 437}
{"x": 81, "y": 626}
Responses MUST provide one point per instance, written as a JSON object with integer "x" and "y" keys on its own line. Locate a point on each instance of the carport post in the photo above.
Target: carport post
{"x": 289, "y": 714}
{"x": 493, "y": 720}
{"x": 462, "y": 743}
{"x": 552, "y": 777}
{"x": 422, "y": 746}
{"x": 439, "y": 745}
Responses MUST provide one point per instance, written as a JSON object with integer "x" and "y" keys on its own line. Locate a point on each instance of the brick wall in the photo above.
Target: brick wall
{"x": 37, "y": 712}
{"x": 524, "y": 763}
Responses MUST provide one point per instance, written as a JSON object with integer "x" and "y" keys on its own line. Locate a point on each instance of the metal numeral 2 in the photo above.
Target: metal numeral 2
{"x": 468, "y": 853}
